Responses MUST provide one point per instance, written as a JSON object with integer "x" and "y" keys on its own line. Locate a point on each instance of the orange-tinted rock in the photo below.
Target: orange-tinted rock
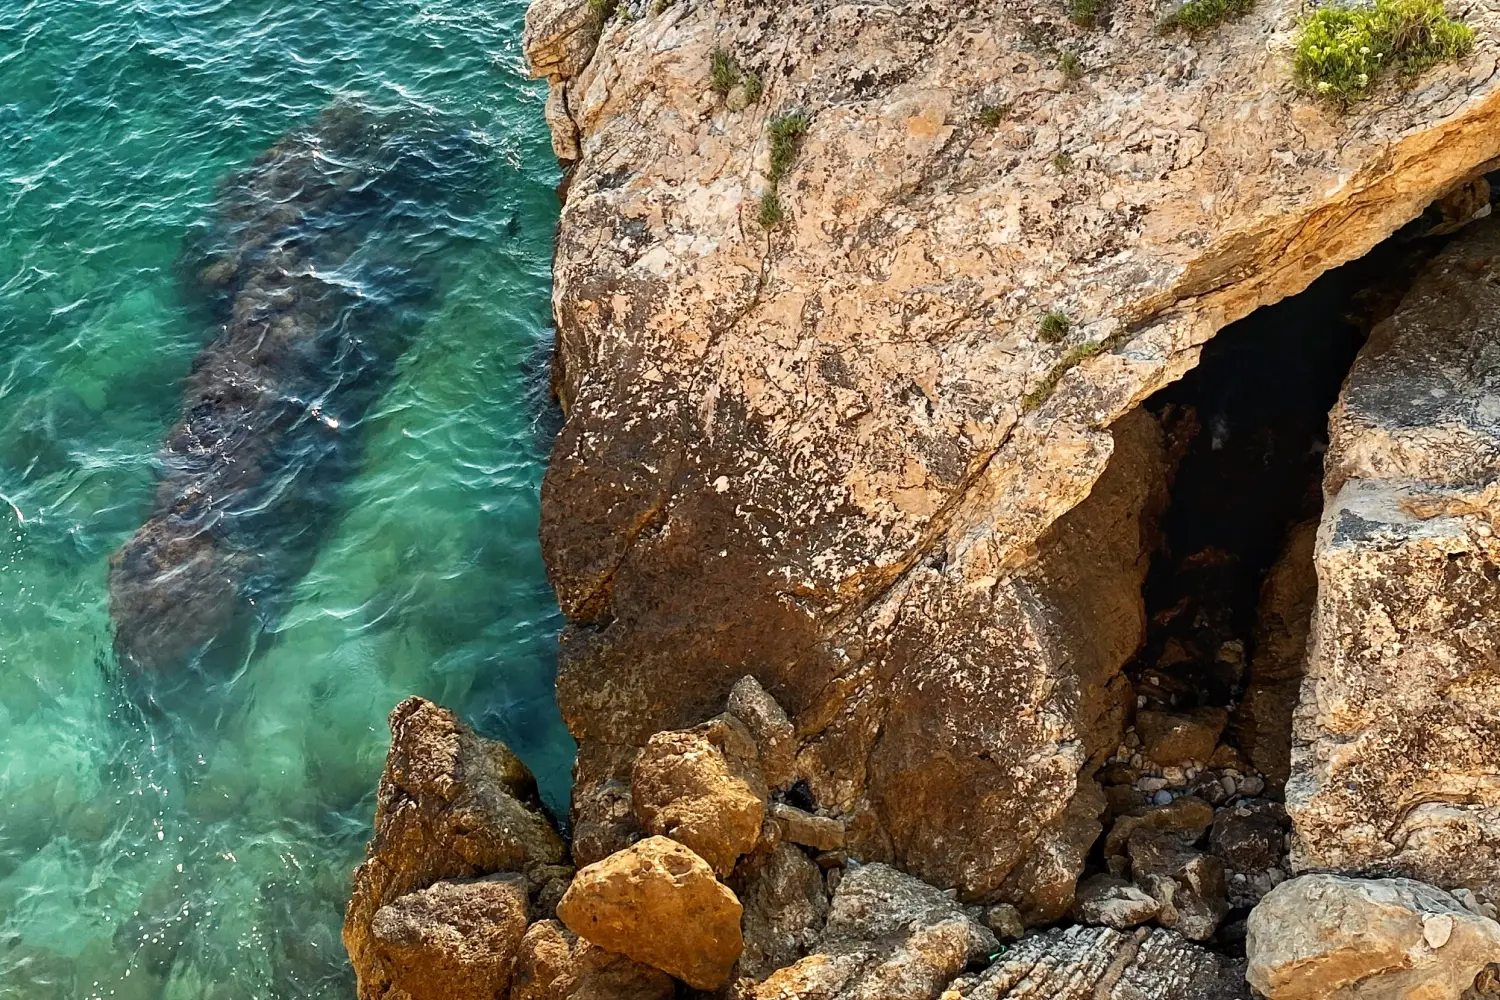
{"x": 658, "y": 903}
{"x": 556, "y": 964}
{"x": 453, "y": 940}
{"x": 702, "y": 788}
{"x": 450, "y": 805}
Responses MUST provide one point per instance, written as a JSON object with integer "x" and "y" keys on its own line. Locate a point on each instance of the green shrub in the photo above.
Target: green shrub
{"x": 1071, "y": 65}
{"x": 991, "y": 115}
{"x": 660, "y": 5}
{"x": 770, "y": 208}
{"x": 1085, "y": 13}
{"x": 1200, "y": 15}
{"x": 786, "y": 133}
{"x": 753, "y": 87}
{"x": 602, "y": 10}
{"x": 1075, "y": 355}
{"x": 1341, "y": 51}
{"x": 723, "y": 70}
{"x": 1062, "y": 163}
{"x": 1054, "y": 327}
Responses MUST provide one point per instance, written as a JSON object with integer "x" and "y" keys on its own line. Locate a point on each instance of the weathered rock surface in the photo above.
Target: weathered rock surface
{"x": 1250, "y": 838}
{"x": 1104, "y": 900}
{"x": 658, "y": 903}
{"x": 837, "y": 455}
{"x": 1398, "y": 730}
{"x": 888, "y": 936}
{"x": 453, "y": 940}
{"x": 450, "y": 806}
{"x": 1187, "y": 884}
{"x": 556, "y": 964}
{"x": 1362, "y": 939}
{"x": 702, "y": 788}
{"x": 1174, "y": 739}
{"x": 1097, "y": 963}
{"x": 785, "y": 905}
{"x": 775, "y": 736}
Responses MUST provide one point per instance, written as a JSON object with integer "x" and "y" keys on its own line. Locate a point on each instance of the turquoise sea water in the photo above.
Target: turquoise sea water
{"x": 205, "y": 852}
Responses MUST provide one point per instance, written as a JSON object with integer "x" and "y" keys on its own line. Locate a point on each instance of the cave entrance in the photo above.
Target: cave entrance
{"x": 1195, "y": 829}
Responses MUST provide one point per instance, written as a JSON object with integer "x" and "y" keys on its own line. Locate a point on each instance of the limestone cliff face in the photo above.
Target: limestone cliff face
{"x": 838, "y": 454}
{"x": 1398, "y": 731}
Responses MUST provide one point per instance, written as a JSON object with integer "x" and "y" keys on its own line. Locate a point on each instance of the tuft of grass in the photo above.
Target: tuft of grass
{"x": 1074, "y": 356}
{"x": 1200, "y": 15}
{"x": 753, "y": 87}
{"x": 1342, "y": 50}
{"x": 1085, "y": 13}
{"x": 1062, "y": 163}
{"x": 770, "y": 208}
{"x": 991, "y": 115}
{"x": 1054, "y": 327}
{"x": 787, "y": 132}
{"x": 602, "y": 10}
{"x": 1071, "y": 65}
{"x": 723, "y": 70}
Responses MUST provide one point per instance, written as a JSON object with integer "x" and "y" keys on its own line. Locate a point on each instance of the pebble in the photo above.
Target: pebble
{"x": 1162, "y": 798}
{"x": 1227, "y": 783}
{"x": 1252, "y": 786}
{"x": 1151, "y": 784}
{"x": 1176, "y": 776}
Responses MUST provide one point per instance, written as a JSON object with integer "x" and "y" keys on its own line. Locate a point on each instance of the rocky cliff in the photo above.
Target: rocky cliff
{"x": 849, "y": 453}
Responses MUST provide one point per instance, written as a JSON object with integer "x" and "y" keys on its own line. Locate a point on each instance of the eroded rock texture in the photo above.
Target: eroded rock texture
{"x": 450, "y": 806}
{"x": 1398, "y": 730}
{"x": 837, "y": 454}
{"x": 1367, "y": 939}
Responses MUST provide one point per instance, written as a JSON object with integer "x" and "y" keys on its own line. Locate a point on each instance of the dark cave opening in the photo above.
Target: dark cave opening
{"x": 1195, "y": 829}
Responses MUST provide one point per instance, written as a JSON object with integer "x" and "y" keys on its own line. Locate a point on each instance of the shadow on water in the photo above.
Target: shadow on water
{"x": 316, "y": 273}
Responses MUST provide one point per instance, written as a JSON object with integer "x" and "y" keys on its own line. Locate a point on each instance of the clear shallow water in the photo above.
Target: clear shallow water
{"x": 205, "y": 851}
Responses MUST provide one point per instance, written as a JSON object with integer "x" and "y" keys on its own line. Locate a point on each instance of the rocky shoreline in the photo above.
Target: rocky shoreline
{"x": 908, "y": 650}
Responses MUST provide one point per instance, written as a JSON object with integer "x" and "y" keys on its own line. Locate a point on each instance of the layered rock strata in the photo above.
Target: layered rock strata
{"x": 837, "y": 453}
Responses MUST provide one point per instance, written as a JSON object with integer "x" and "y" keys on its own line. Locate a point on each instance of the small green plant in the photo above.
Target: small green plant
{"x": 1071, "y": 65}
{"x": 723, "y": 70}
{"x": 602, "y": 10}
{"x": 1341, "y": 51}
{"x": 660, "y": 6}
{"x": 1200, "y": 15}
{"x": 991, "y": 115}
{"x": 1085, "y": 13}
{"x": 1062, "y": 163}
{"x": 1074, "y": 356}
{"x": 1054, "y": 327}
{"x": 753, "y": 87}
{"x": 770, "y": 208}
{"x": 787, "y": 132}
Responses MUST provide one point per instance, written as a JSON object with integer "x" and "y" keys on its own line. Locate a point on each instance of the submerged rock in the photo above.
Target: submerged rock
{"x": 1396, "y": 752}
{"x": 659, "y": 903}
{"x": 316, "y": 275}
{"x": 1366, "y": 939}
{"x": 450, "y": 806}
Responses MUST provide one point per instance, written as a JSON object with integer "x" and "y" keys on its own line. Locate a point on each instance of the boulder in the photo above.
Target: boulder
{"x": 658, "y": 903}
{"x": 888, "y": 935}
{"x": 1188, "y": 885}
{"x": 1173, "y": 739}
{"x": 450, "y": 805}
{"x": 1113, "y": 902}
{"x": 785, "y": 907}
{"x": 1366, "y": 939}
{"x": 556, "y": 964}
{"x": 703, "y": 789}
{"x": 1098, "y": 963}
{"x": 767, "y": 721}
{"x": 454, "y": 940}
{"x": 1250, "y": 838}
{"x": 1396, "y": 746}
{"x": 836, "y": 452}
{"x": 821, "y": 833}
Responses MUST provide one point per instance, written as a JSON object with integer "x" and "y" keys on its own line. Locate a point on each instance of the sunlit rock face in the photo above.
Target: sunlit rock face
{"x": 1396, "y": 747}
{"x": 839, "y": 454}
